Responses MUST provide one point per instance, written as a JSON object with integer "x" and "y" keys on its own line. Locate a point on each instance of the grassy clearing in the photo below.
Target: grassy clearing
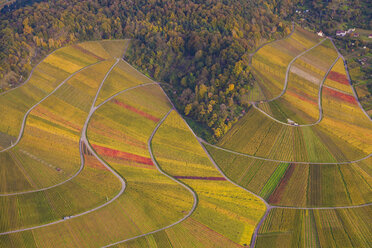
{"x": 115, "y": 48}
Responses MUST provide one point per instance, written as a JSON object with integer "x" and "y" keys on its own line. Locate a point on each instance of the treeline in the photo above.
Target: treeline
{"x": 201, "y": 48}
{"x": 329, "y": 15}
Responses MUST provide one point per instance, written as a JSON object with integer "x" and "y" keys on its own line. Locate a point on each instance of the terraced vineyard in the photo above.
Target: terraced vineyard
{"x": 78, "y": 151}
{"x": 306, "y": 152}
{"x": 94, "y": 154}
{"x": 300, "y": 100}
{"x": 270, "y": 62}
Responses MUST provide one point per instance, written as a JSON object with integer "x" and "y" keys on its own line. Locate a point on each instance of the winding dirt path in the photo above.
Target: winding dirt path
{"x": 349, "y": 79}
{"x": 170, "y": 177}
{"x": 268, "y": 206}
{"x": 84, "y": 139}
{"x": 81, "y": 141}
{"x": 36, "y": 104}
{"x": 319, "y": 102}
{"x": 268, "y": 43}
{"x": 32, "y": 71}
{"x": 320, "y": 87}
{"x": 280, "y": 161}
{"x": 289, "y": 68}
{"x": 123, "y": 183}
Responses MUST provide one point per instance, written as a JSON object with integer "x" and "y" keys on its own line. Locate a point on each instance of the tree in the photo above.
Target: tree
{"x": 202, "y": 90}
{"x": 188, "y": 109}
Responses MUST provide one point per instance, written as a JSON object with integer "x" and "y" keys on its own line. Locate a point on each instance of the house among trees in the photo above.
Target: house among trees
{"x": 320, "y": 33}
{"x": 343, "y": 33}
{"x": 340, "y": 33}
{"x": 370, "y": 36}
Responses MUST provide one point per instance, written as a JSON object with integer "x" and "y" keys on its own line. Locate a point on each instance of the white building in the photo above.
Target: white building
{"x": 340, "y": 33}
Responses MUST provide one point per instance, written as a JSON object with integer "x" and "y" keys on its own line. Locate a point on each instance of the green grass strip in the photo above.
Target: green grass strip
{"x": 274, "y": 180}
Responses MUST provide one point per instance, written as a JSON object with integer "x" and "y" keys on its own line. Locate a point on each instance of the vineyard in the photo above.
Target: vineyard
{"x": 306, "y": 151}
{"x": 298, "y": 185}
{"x": 97, "y": 123}
{"x": 56, "y": 124}
{"x": 300, "y": 101}
{"x": 46, "y": 76}
{"x": 94, "y": 154}
{"x": 270, "y": 62}
{"x": 264, "y": 136}
{"x": 317, "y": 228}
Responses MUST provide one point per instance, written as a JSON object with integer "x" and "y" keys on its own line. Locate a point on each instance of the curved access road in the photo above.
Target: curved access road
{"x": 194, "y": 194}
{"x": 289, "y": 68}
{"x": 32, "y": 71}
{"x": 319, "y": 102}
{"x": 62, "y": 83}
{"x": 289, "y": 65}
{"x": 82, "y": 138}
{"x": 35, "y": 105}
{"x": 170, "y": 177}
{"x": 85, "y": 140}
{"x": 268, "y": 43}
{"x": 286, "y": 86}
{"x": 349, "y": 78}
{"x": 280, "y": 161}
{"x": 319, "y": 93}
{"x": 268, "y": 206}
{"x": 83, "y": 213}
{"x": 122, "y": 180}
